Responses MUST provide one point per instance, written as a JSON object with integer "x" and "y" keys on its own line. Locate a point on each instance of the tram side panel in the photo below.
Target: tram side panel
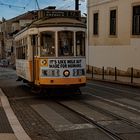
{"x": 24, "y": 69}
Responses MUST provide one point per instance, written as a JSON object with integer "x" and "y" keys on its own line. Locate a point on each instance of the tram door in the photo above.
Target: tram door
{"x": 34, "y": 54}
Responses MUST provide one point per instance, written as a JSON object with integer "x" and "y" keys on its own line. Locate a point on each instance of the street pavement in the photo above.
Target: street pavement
{"x": 10, "y": 128}
{"x": 7, "y": 73}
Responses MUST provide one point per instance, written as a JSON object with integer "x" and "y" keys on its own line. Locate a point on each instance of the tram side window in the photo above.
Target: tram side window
{"x": 65, "y": 43}
{"x": 80, "y": 43}
{"x": 34, "y": 43}
{"x": 48, "y": 44}
{"x": 21, "y": 50}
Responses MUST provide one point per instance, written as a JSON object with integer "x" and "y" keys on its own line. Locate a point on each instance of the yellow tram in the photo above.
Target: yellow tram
{"x": 51, "y": 50}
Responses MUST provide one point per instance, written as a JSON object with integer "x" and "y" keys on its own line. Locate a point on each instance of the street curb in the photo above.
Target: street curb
{"x": 15, "y": 124}
{"x": 115, "y": 82}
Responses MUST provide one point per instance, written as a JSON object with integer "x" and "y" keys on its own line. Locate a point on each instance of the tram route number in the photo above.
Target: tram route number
{"x": 65, "y": 63}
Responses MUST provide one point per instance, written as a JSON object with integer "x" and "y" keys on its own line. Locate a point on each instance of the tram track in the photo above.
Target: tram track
{"x": 64, "y": 120}
{"x": 122, "y": 106}
{"x": 103, "y": 129}
{"x": 101, "y": 125}
{"x": 116, "y": 89}
{"x": 115, "y": 103}
{"x": 129, "y": 122}
{"x": 126, "y": 99}
{"x": 93, "y": 91}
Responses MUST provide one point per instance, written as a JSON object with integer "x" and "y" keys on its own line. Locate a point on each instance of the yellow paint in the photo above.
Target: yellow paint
{"x": 31, "y": 70}
{"x": 62, "y": 81}
{"x": 36, "y": 69}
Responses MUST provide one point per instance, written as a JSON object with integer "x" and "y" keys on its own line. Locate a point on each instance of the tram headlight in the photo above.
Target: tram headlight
{"x": 44, "y": 62}
{"x": 66, "y": 73}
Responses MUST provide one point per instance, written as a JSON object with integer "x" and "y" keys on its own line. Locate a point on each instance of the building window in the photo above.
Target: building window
{"x": 95, "y": 23}
{"x": 136, "y": 20}
{"x": 113, "y": 22}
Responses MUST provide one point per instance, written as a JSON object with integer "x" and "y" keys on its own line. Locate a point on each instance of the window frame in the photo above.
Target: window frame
{"x": 81, "y": 44}
{"x": 42, "y": 46}
{"x": 22, "y": 49}
{"x": 116, "y": 23}
{"x": 132, "y": 21}
{"x": 96, "y": 32}
{"x": 60, "y": 42}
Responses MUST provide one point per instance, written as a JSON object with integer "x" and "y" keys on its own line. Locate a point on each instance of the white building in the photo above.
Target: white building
{"x": 114, "y": 35}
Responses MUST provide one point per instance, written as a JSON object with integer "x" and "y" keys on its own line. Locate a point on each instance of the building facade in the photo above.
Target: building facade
{"x": 114, "y": 35}
{"x": 7, "y": 30}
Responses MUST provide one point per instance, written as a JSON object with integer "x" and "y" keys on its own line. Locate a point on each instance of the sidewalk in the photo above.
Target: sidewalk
{"x": 10, "y": 128}
{"x": 120, "y": 79}
{"x": 6, "y": 132}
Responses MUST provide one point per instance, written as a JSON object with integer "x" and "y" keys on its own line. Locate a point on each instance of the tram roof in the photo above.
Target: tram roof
{"x": 58, "y": 22}
{"x": 54, "y": 22}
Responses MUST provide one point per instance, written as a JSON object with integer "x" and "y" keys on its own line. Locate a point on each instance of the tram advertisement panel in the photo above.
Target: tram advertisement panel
{"x": 56, "y": 67}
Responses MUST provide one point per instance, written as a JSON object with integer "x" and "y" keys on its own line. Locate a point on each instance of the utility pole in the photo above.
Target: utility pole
{"x": 76, "y": 4}
{"x": 37, "y": 4}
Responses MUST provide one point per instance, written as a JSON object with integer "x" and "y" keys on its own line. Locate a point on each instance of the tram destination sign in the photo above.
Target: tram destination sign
{"x": 61, "y": 13}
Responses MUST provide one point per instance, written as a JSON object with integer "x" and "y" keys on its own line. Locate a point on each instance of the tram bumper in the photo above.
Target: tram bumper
{"x": 62, "y": 82}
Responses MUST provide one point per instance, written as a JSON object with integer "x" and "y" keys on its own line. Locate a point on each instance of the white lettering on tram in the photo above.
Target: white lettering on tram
{"x": 65, "y": 63}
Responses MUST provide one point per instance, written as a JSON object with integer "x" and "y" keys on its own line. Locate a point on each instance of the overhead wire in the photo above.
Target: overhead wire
{"x": 68, "y": 3}
{"x": 10, "y": 5}
{"x": 28, "y": 4}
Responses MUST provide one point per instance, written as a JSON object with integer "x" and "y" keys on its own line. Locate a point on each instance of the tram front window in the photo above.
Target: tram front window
{"x": 65, "y": 43}
{"x": 80, "y": 43}
{"x": 47, "y": 44}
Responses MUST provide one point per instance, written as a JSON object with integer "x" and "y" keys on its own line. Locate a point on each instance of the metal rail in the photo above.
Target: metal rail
{"x": 110, "y": 87}
{"x": 111, "y": 134}
{"x": 119, "y": 103}
{"x": 127, "y": 121}
{"x": 120, "y": 93}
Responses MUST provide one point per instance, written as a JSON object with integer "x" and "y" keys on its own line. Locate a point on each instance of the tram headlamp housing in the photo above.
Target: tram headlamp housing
{"x": 44, "y": 62}
{"x": 66, "y": 73}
